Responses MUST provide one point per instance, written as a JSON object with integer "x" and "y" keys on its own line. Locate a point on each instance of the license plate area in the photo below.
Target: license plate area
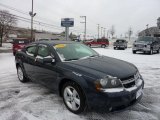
{"x": 139, "y": 92}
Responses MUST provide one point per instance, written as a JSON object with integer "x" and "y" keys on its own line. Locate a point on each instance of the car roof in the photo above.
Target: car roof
{"x": 53, "y": 42}
{"x": 121, "y": 39}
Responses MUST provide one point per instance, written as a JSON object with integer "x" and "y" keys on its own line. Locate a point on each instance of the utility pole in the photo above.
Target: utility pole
{"x": 107, "y": 33}
{"x": 98, "y": 31}
{"x": 32, "y": 15}
{"x": 147, "y": 30}
{"x": 147, "y": 26}
{"x": 104, "y": 32}
{"x": 101, "y": 32}
{"x": 85, "y": 26}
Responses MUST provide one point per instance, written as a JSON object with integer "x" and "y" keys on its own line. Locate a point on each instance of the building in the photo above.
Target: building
{"x": 152, "y": 31}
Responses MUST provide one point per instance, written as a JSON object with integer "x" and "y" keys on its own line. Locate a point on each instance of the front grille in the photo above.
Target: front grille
{"x": 129, "y": 85}
{"x": 130, "y": 81}
{"x": 140, "y": 46}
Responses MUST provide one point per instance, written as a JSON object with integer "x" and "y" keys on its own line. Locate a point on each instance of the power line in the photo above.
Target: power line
{"x": 37, "y": 22}
{"x": 25, "y": 13}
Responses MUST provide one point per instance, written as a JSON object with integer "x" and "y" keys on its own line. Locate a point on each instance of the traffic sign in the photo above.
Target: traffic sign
{"x": 67, "y": 22}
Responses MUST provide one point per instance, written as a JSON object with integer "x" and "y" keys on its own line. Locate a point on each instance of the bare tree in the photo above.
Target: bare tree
{"x": 130, "y": 32}
{"x": 112, "y": 31}
{"x": 7, "y": 21}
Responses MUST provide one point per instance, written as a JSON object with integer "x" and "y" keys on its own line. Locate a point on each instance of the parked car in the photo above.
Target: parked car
{"x": 146, "y": 45}
{"x": 120, "y": 44}
{"x": 81, "y": 76}
{"x": 18, "y": 44}
{"x": 98, "y": 43}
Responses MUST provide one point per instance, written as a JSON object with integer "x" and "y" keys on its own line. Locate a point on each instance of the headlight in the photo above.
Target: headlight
{"x": 108, "y": 82}
{"x": 148, "y": 46}
{"x": 137, "y": 78}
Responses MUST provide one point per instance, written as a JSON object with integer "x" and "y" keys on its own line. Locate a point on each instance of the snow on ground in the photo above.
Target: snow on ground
{"x": 31, "y": 101}
{"x": 6, "y": 46}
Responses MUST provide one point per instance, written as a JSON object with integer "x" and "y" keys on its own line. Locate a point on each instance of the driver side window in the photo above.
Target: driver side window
{"x": 43, "y": 51}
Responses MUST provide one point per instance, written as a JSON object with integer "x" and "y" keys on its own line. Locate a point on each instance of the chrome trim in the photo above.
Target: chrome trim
{"x": 113, "y": 90}
{"x": 128, "y": 81}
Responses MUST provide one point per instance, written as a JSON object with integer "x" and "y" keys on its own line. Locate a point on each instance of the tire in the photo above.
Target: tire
{"x": 158, "y": 50}
{"x": 73, "y": 97}
{"x": 14, "y": 53}
{"x": 21, "y": 76}
{"x": 151, "y": 52}
{"x": 134, "y": 52}
{"x": 89, "y": 45}
{"x": 114, "y": 48}
{"x": 103, "y": 46}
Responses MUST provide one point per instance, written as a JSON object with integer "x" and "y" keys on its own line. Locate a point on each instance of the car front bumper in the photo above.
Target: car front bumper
{"x": 141, "y": 49}
{"x": 113, "y": 99}
{"x": 119, "y": 46}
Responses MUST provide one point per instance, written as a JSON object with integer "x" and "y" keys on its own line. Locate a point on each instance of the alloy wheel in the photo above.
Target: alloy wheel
{"x": 71, "y": 98}
{"x": 20, "y": 73}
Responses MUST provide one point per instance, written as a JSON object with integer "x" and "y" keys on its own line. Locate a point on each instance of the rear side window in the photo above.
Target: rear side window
{"x": 31, "y": 50}
{"x": 105, "y": 40}
{"x": 43, "y": 51}
{"x": 99, "y": 40}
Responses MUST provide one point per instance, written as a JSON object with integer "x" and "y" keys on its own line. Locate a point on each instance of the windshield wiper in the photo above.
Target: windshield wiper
{"x": 89, "y": 56}
{"x": 94, "y": 56}
{"x": 72, "y": 59}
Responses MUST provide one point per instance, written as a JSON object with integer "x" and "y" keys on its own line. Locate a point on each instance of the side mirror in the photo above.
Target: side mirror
{"x": 48, "y": 59}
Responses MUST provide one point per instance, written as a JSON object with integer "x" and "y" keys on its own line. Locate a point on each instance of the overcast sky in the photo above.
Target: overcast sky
{"x": 120, "y": 13}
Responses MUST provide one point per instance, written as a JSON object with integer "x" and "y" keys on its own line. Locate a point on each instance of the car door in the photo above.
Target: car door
{"x": 99, "y": 42}
{"x": 45, "y": 73}
{"x": 94, "y": 43}
{"x": 29, "y": 60}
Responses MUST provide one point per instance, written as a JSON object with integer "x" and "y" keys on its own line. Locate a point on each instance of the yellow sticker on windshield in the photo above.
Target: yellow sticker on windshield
{"x": 60, "y": 45}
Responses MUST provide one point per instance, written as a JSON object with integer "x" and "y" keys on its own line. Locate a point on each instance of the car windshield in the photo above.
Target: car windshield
{"x": 120, "y": 40}
{"x": 145, "y": 39}
{"x": 74, "y": 51}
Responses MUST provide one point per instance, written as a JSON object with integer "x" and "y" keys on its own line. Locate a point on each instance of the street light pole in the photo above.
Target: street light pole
{"x": 85, "y": 26}
{"x": 104, "y": 32}
{"x": 98, "y": 31}
{"x": 101, "y": 32}
{"x": 32, "y": 15}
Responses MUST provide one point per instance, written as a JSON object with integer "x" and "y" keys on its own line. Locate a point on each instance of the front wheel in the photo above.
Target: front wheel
{"x": 73, "y": 97}
{"x": 21, "y": 75}
{"x": 89, "y": 45}
{"x": 151, "y": 52}
{"x": 134, "y": 52}
{"x": 158, "y": 50}
{"x": 103, "y": 46}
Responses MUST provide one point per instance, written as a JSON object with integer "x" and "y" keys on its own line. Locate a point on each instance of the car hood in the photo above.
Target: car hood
{"x": 102, "y": 66}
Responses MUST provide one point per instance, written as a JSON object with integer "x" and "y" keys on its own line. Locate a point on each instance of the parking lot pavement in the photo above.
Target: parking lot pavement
{"x": 33, "y": 102}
